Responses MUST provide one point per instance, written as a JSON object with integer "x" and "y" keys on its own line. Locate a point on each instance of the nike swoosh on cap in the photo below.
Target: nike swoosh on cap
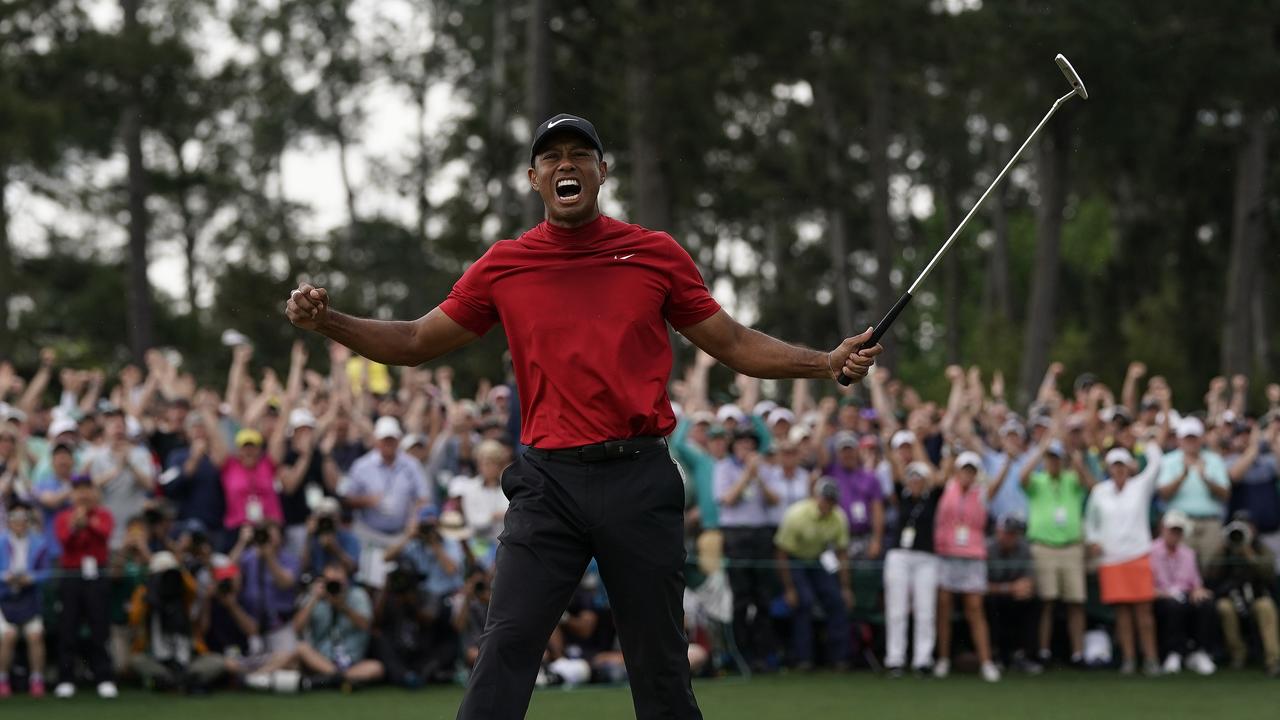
{"x": 557, "y": 122}
{"x": 624, "y": 257}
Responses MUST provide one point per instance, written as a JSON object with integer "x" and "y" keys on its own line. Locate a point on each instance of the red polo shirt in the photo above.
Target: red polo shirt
{"x": 586, "y": 311}
{"x": 90, "y": 540}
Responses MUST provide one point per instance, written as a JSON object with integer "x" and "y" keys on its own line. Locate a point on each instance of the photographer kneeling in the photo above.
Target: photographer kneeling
{"x": 433, "y": 564}
{"x": 1242, "y": 575}
{"x": 334, "y": 622}
{"x": 327, "y": 541}
{"x": 164, "y": 654}
{"x": 408, "y": 638}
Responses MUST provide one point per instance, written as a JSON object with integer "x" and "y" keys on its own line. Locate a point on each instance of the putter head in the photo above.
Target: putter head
{"x": 1072, "y": 76}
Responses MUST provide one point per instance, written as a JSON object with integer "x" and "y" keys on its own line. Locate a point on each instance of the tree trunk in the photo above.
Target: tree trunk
{"x": 878, "y": 139}
{"x": 650, "y": 205}
{"x": 140, "y": 312}
{"x": 537, "y": 87}
{"x": 1246, "y": 246}
{"x": 344, "y": 171}
{"x": 423, "y": 169}
{"x": 951, "y": 282}
{"x": 500, "y": 158}
{"x": 999, "y": 296}
{"x": 836, "y": 193}
{"x": 1052, "y": 187}
{"x": 6, "y": 261}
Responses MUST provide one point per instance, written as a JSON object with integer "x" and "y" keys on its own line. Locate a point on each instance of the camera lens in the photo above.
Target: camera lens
{"x": 1236, "y": 537}
{"x": 333, "y": 587}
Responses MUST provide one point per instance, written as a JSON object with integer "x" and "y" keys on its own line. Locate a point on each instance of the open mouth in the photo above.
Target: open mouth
{"x": 568, "y": 189}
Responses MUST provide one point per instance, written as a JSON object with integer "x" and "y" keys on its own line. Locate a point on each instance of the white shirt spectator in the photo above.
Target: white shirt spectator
{"x": 480, "y": 504}
{"x": 1117, "y": 519}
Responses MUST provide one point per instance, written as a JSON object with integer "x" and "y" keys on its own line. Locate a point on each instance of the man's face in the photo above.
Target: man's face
{"x": 1007, "y": 539}
{"x": 63, "y": 464}
{"x": 1053, "y": 464}
{"x": 568, "y": 157}
{"x": 825, "y": 506}
{"x": 1172, "y": 536}
{"x": 387, "y": 448}
{"x": 848, "y": 417}
{"x": 743, "y": 448}
{"x": 84, "y": 495}
{"x": 1013, "y": 443}
{"x": 302, "y": 436}
{"x": 1191, "y": 444}
{"x": 966, "y": 475}
{"x": 847, "y": 457}
{"x": 789, "y": 456}
{"x": 718, "y": 446}
{"x": 176, "y": 416}
{"x": 113, "y": 427}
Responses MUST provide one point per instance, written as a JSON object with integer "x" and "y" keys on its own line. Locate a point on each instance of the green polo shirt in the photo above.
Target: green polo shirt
{"x": 806, "y": 534}
{"x": 1055, "y": 508}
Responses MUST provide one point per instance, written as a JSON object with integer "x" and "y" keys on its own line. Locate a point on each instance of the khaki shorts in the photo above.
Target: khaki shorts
{"x": 1059, "y": 572}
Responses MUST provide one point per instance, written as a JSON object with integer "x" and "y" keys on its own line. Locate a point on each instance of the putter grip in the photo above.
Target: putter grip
{"x": 881, "y": 328}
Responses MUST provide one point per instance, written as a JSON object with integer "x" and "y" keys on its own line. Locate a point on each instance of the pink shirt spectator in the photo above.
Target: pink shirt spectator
{"x": 244, "y": 486}
{"x": 961, "y": 523}
{"x": 1175, "y": 571}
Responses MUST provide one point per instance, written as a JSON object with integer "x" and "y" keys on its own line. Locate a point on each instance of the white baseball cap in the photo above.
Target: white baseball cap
{"x": 1190, "y": 427}
{"x": 387, "y": 427}
{"x": 1176, "y": 519}
{"x": 1122, "y": 456}
{"x": 703, "y": 416}
{"x": 902, "y": 437}
{"x": 919, "y": 469}
{"x": 328, "y": 506}
{"x": 301, "y": 417}
{"x": 62, "y": 425}
{"x": 731, "y": 411}
{"x": 781, "y": 414}
{"x": 969, "y": 458}
{"x": 764, "y": 407}
{"x": 411, "y": 440}
{"x": 162, "y": 561}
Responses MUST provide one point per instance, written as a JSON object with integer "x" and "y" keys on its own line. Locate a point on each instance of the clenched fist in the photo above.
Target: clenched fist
{"x": 308, "y": 306}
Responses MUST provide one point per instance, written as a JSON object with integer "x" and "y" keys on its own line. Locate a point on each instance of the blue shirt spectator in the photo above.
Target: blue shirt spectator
{"x": 386, "y": 485}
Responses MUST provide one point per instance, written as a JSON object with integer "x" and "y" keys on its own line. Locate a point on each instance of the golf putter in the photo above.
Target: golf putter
{"x": 1077, "y": 88}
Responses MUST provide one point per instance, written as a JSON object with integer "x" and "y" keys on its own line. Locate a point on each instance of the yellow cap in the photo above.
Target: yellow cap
{"x": 248, "y": 436}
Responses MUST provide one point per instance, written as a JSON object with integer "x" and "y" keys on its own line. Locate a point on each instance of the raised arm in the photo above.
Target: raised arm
{"x": 1129, "y": 392}
{"x": 391, "y": 342}
{"x": 753, "y": 353}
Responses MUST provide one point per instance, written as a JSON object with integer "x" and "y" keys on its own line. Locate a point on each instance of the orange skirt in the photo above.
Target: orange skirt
{"x": 1127, "y": 582}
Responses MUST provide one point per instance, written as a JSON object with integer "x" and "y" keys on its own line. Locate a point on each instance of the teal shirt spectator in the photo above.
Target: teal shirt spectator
{"x": 334, "y": 635}
{"x": 763, "y": 434}
{"x": 699, "y": 471}
{"x": 1193, "y": 497}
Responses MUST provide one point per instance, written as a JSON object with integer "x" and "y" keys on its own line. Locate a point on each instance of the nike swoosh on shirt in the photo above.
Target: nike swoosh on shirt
{"x": 623, "y": 257}
{"x": 557, "y": 122}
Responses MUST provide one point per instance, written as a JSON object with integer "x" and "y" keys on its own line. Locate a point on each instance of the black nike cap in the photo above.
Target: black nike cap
{"x": 568, "y": 123}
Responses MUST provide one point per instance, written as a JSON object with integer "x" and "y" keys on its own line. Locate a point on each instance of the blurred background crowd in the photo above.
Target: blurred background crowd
{"x": 336, "y": 527}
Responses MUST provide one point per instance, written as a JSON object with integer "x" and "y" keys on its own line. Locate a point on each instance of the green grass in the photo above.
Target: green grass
{"x": 1065, "y": 695}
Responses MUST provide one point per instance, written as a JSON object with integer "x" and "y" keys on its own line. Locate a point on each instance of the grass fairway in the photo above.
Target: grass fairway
{"x": 1066, "y": 695}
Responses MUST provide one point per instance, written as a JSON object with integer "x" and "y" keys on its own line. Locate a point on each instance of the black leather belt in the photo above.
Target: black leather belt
{"x": 602, "y": 452}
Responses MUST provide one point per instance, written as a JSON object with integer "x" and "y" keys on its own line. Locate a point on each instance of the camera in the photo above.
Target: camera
{"x": 333, "y": 587}
{"x": 1238, "y": 533}
{"x": 225, "y": 586}
{"x": 261, "y": 536}
{"x": 428, "y": 532}
{"x": 325, "y": 525}
{"x": 152, "y": 516}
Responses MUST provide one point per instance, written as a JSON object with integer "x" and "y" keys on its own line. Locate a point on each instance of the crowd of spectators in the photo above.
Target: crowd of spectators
{"x": 338, "y": 529}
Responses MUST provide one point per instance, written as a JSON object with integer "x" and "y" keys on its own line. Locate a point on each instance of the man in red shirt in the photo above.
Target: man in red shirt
{"x": 585, "y": 301}
{"x": 83, "y": 530}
